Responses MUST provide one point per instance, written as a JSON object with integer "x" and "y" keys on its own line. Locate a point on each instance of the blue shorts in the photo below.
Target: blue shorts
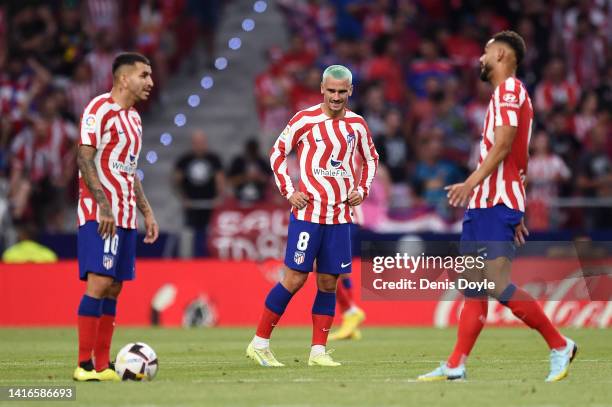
{"x": 330, "y": 245}
{"x": 489, "y": 232}
{"x": 114, "y": 257}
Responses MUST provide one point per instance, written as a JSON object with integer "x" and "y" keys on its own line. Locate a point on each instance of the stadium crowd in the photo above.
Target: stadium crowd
{"x": 54, "y": 58}
{"x": 415, "y": 70}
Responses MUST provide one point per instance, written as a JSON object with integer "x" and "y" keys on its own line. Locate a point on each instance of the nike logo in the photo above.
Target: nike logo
{"x": 318, "y": 140}
{"x": 482, "y": 249}
{"x": 345, "y": 265}
{"x": 325, "y": 329}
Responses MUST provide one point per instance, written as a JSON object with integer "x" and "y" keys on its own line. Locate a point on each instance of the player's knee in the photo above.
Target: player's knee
{"x": 114, "y": 290}
{"x": 294, "y": 280}
{"x": 98, "y": 286}
{"x": 327, "y": 282}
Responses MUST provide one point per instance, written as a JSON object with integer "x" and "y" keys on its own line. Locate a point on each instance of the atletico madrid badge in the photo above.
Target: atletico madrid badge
{"x": 107, "y": 261}
{"x": 298, "y": 257}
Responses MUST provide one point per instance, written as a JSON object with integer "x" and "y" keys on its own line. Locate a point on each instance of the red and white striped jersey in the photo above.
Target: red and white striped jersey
{"x": 510, "y": 105}
{"x": 44, "y": 156}
{"x": 116, "y": 134}
{"x": 326, "y": 151}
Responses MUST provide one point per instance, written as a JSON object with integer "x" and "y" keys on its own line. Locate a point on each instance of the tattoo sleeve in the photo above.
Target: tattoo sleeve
{"x": 87, "y": 166}
{"x": 141, "y": 200}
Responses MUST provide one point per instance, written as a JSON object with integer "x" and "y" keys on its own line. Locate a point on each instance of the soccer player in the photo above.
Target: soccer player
{"x": 328, "y": 137}
{"x": 109, "y": 192}
{"x": 494, "y": 220}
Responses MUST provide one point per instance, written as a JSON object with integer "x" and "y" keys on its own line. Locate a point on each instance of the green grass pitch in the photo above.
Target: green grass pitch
{"x": 207, "y": 367}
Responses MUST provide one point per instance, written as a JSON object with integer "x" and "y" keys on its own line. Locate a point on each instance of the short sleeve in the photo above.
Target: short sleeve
{"x": 508, "y": 99}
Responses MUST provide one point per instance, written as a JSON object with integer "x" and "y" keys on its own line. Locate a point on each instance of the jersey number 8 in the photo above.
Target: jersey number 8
{"x": 302, "y": 243}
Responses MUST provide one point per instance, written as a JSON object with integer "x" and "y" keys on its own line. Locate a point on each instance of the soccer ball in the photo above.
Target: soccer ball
{"x": 136, "y": 361}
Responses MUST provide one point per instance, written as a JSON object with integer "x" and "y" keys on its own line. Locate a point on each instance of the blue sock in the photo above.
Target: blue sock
{"x": 347, "y": 282}
{"x": 507, "y": 294}
{"x": 278, "y": 298}
{"x": 324, "y": 303}
{"x": 109, "y": 307}
{"x": 90, "y": 307}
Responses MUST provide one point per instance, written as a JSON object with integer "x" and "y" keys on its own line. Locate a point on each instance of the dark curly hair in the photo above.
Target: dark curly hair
{"x": 515, "y": 41}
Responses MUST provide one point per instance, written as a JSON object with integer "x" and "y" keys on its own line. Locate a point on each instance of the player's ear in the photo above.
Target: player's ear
{"x": 501, "y": 52}
{"x": 350, "y": 92}
{"x": 322, "y": 89}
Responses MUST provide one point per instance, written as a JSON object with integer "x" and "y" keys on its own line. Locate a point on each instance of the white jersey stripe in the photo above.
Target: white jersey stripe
{"x": 518, "y": 195}
{"x": 513, "y": 119}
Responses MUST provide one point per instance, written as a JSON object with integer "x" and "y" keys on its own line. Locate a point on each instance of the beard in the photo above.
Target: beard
{"x": 485, "y": 71}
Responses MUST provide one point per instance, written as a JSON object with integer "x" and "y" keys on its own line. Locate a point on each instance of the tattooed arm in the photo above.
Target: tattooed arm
{"x": 87, "y": 166}
{"x": 143, "y": 205}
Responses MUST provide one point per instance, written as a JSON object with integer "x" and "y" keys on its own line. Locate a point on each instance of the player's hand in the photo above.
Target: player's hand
{"x": 458, "y": 194}
{"x": 106, "y": 226}
{"x": 299, "y": 199}
{"x": 354, "y": 198}
{"x": 520, "y": 232}
{"x": 152, "y": 229}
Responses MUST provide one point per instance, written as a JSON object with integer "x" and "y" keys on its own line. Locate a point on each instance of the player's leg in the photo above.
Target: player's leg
{"x": 106, "y": 328}
{"x": 335, "y": 259}
{"x": 274, "y": 307}
{"x": 125, "y": 250}
{"x": 473, "y": 314}
{"x": 323, "y": 311}
{"x": 97, "y": 270}
{"x": 471, "y": 320}
{"x": 302, "y": 246}
{"x": 352, "y": 315}
{"x": 89, "y": 312}
{"x": 527, "y": 309}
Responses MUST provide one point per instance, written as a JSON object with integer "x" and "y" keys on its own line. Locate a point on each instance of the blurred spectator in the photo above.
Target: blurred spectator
{"x": 476, "y": 110}
{"x": 556, "y": 90}
{"x": 39, "y": 173}
{"x": 385, "y": 68}
{"x": 21, "y": 80}
{"x": 374, "y": 108}
{"x": 595, "y": 177}
{"x": 547, "y": 172}
{"x": 393, "y": 150}
{"x": 148, "y": 41}
{"x": 604, "y": 90}
{"x": 200, "y": 182}
{"x": 429, "y": 65}
{"x": 586, "y": 52}
{"x": 101, "y": 58}
{"x": 72, "y": 42}
{"x": 595, "y": 167}
{"x": 348, "y": 18}
{"x": 33, "y": 30}
{"x": 449, "y": 116}
{"x": 81, "y": 89}
{"x": 432, "y": 173}
{"x": 463, "y": 47}
{"x": 206, "y": 15}
{"x": 563, "y": 141}
{"x": 101, "y": 15}
{"x": 307, "y": 92}
{"x": 374, "y": 209}
{"x": 586, "y": 117}
{"x": 297, "y": 58}
{"x": 249, "y": 174}
{"x": 271, "y": 94}
{"x": 27, "y": 250}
